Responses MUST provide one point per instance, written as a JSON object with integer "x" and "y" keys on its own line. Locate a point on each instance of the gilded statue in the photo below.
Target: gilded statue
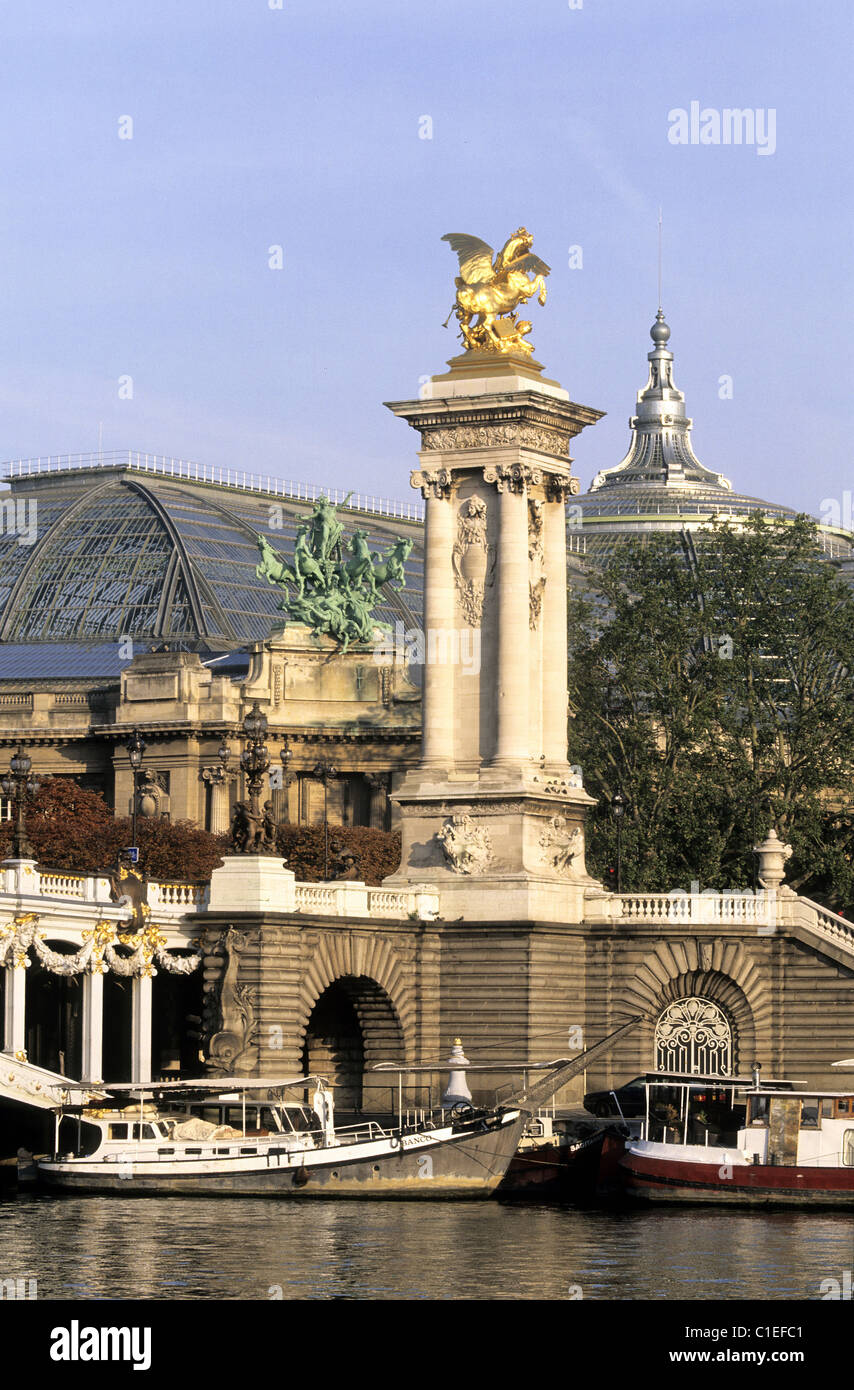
{"x": 490, "y": 288}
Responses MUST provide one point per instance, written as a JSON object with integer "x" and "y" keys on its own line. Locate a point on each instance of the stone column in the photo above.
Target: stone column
{"x": 512, "y": 743}
{"x": 437, "y": 739}
{"x": 140, "y": 1067}
{"x": 554, "y": 631}
{"x": 14, "y": 1032}
{"x": 93, "y": 1027}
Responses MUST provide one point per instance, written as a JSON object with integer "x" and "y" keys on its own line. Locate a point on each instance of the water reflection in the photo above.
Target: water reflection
{"x": 196, "y": 1248}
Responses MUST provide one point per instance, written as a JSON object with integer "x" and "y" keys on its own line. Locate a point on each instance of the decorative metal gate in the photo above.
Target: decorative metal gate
{"x": 694, "y": 1035}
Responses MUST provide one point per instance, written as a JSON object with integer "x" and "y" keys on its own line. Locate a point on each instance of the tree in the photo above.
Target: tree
{"x": 710, "y": 680}
{"x": 74, "y": 829}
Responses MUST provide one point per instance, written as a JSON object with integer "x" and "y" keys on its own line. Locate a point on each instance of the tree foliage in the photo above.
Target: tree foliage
{"x": 72, "y": 828}
{"x": 710, "y": 680}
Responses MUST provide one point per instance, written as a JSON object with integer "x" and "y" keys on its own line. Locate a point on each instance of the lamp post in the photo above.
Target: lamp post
{"x": 17, "y": 786}
{"x": 325, "y": 772}
{"x": 135, "y": 749}
{"x": 255, "y": 758}
{"x": 618, "y": 809}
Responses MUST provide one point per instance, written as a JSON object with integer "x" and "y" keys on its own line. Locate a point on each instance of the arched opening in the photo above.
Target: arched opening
{"x": 694, "y": 1035}
{"x": 351, "y": 1028}
{"x": 54, "y": 1016}
{"x": 176, "y": 1005}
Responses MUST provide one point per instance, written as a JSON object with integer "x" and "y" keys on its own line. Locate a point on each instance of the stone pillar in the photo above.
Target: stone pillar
{"x": 554, "y": 631}
{"x": 438, "y": 690}
{"x": 219, "y": 807}
{"x": 14, "y": 1030}
{"x": 512, "y": 744}
{"x": 93, "y": 1027}
{"x": 141, "y": 1028}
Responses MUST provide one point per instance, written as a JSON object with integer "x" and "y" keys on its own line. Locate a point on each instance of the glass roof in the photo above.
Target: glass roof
{"x": 155, "y": 557}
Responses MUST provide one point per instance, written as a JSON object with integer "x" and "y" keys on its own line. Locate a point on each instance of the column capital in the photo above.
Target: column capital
{"x": 433, "y": 482}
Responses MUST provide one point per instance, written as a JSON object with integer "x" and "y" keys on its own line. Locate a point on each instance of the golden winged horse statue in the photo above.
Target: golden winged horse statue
{"x": 490, "y": 288}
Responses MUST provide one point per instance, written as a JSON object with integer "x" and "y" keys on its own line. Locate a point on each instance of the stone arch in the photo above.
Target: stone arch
{"x": 353, "y": 1026}
{"x": 371, "y": 958}
{"x": 717, "y": 969}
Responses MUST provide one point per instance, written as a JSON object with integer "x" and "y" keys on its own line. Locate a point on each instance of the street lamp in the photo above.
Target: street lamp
{"x": 135, "y": 749}
{"x": 17, "y": 786}
{"x": 255, "y": 758}
{"x": 325, "y": 772}
{"x": 618, "y": 810}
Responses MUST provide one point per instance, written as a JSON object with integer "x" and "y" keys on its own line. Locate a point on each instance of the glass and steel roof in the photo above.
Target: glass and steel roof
{"x": 118, "y": 551}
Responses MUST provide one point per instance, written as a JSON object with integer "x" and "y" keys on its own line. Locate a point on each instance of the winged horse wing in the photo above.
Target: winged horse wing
{"x": 475, "y": 257}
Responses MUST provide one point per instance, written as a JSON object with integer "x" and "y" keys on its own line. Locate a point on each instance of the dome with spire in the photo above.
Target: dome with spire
{"x": 661, "y": 485}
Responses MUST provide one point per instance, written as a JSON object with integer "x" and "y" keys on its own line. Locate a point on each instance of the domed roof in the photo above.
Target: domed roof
{"x": 661, "y": 485}
{"x": 120, "y": 554}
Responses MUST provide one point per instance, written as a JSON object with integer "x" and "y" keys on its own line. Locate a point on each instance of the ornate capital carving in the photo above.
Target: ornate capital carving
{"x": 433, "y": 482}
{"x": 560, "y": 489}
{"x": 515, "y": 477}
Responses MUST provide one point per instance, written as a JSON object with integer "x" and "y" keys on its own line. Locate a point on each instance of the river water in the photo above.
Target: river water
{"x": 255, "y": 1248}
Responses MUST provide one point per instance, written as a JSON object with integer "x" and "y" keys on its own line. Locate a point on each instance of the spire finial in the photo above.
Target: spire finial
{"x": 660, "y": 229}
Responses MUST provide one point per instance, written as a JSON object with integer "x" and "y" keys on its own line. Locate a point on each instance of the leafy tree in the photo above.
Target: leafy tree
{"x": 710, "y": 680}
{"x": 303, "y": 846}
{"x": 74, "y": 829}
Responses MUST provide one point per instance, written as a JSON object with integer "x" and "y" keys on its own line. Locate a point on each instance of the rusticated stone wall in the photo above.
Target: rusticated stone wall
{"x": 527, "y": 992}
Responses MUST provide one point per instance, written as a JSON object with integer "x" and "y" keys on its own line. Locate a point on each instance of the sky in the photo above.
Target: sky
{"x": 301, "y": 124}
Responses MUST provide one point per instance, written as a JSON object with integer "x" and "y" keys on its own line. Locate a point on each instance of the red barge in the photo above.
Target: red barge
{"x": 728, "y": 1141}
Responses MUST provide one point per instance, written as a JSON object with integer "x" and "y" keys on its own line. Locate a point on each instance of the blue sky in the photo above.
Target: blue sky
{"x": 299, "y": 127}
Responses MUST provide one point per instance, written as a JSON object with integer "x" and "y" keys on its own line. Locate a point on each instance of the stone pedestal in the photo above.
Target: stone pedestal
{"x": 492, "y": 813}
{"x": 252, "y": 883}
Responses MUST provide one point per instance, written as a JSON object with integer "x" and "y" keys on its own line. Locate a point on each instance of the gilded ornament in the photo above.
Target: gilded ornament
{"x": 490, "y": 288}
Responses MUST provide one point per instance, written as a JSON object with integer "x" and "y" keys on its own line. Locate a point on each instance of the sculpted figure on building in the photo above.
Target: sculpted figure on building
{"x": 335, "y": 594}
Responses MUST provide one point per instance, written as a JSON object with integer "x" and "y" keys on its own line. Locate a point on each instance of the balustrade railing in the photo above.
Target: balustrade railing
{"x": 210, "y": 473}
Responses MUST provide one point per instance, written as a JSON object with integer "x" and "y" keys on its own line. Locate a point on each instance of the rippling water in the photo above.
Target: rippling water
{"x": 245, "y": 1248}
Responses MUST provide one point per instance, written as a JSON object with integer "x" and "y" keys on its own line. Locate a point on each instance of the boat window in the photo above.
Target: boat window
{"x": 149, "y": 1132}
{"x": 843, "y": 1107}
{"x": 758, "y": 1110}
{"x": 118, "y": 1132}
{"x": 848, "y": 1148}
{"x": 81, "y": 1139}
{"x": 809, "y": 1113}
{"x": 827, "y": 1108}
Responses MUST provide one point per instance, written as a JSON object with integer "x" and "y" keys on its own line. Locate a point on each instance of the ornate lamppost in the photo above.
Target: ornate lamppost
{"x": 255, "y": 761}
{"x": 325, "y": 772}
{"x": 618, "y": 810}
{"x": 17, "y": 786}
{"x": 135, "y": 749}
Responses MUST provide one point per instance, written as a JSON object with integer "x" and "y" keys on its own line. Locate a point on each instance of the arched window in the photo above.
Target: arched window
{"x": 694, "y": 1035}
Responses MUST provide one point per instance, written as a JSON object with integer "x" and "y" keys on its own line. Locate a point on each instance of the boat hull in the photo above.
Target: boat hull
{"x": 554, "y": 1172}
{"x": 656, "y": 1179}
{"x": 470, "y": 1163}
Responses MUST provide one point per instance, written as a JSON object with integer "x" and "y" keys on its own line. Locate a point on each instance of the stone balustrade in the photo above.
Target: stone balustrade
{"x": 172, "y": 901}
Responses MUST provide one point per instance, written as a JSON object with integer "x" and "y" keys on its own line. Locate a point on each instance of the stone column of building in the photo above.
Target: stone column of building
{"x": 93, "y": 1028}
{"x": 512, "y": 742}
{"x": 141, "y": 1017}
{"x": 554, "y": 642}
{"x": 14, "y": 1024}
{"x": 437, "y": 747}
{"x": 219, "y": 819}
